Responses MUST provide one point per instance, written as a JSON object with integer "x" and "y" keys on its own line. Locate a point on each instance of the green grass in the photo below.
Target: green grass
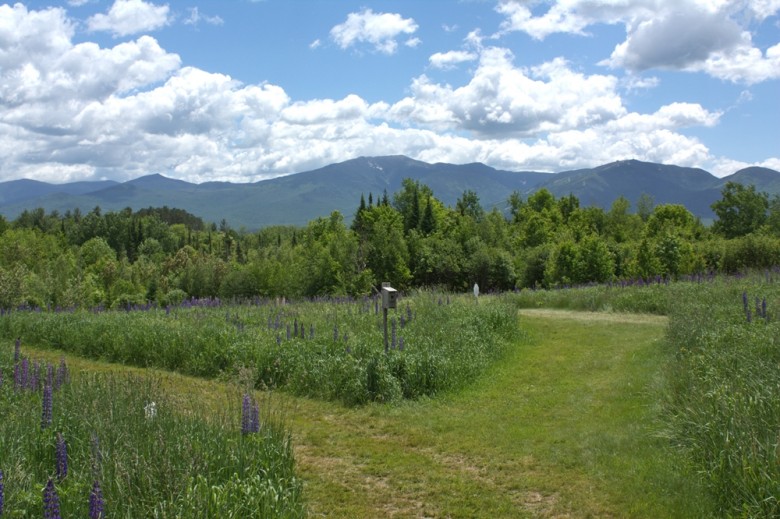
{"x": 724, "y": 399}
{"x": 449, "y": 342}
{"x": 566, "y": 425}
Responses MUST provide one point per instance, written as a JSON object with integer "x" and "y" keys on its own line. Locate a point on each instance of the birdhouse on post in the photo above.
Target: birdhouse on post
{"x": 389, "y": 296}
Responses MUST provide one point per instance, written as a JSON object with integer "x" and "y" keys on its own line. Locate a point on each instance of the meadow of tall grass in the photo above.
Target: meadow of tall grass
{"x": 722, "y": 380}
{"x": 326, "y": 349}
{"x": 724, "y": 394}
{"x": 112, "y": 445}
{"x": 721, "y": 386}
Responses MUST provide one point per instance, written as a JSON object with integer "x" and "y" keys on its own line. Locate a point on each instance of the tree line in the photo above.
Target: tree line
{"x": 164, "y": 255}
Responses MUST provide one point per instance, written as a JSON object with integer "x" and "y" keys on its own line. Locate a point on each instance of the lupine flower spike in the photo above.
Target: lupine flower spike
{"x": 62, "y": 457}
{"x": 246, "y": 414}
{"x": 96, "y": 503}
{"x": 47, "y": 408}
{"x": 51, "y": 502}
{"x": 2, "y": 493}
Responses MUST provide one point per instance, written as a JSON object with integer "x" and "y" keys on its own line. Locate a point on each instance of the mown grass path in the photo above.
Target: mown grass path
{"x": 567, "y": 426}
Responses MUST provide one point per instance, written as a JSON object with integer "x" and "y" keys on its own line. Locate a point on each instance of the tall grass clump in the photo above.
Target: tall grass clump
{"x": 724, "y": 389}
{"x": 121, "y": 446}
{"x": 647, "y": 298}
{"x": 331, "y": 349}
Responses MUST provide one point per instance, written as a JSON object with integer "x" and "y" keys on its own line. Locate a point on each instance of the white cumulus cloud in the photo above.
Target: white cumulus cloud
{"x": 76, "y": 111}
{"x": 503, "y": 99}
{"x": 444, "y": 60}
{"x": 127, "y": 17}
{"x": 380, "y": 30}
{"x": 692, "y": 35}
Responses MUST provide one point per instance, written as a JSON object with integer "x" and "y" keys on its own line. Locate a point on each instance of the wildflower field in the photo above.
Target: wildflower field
{"x": 106, "y": 444}
{"x": 103, "y": 445}
{"x": 330, "y": 349}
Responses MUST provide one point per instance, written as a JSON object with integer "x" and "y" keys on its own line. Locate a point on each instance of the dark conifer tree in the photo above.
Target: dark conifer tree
{"x": 428, "y": 224}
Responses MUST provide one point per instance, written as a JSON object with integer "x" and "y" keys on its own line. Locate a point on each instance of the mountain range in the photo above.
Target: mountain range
{"x": 299, "y": 198}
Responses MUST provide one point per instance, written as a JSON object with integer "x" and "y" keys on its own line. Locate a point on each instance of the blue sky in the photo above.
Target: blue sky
{"x": 244, "y": 90}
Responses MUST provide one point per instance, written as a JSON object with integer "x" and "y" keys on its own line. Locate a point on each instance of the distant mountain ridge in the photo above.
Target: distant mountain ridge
{"x": 299, "y": 198}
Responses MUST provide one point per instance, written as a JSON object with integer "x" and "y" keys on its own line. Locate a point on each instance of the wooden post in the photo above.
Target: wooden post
{"x": 384, "y": 316}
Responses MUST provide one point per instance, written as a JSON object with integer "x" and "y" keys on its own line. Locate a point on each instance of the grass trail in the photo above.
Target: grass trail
{"x": 566, "y": 426}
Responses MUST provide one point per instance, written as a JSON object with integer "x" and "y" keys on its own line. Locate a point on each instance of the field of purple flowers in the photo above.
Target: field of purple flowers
{"x": 108, "y": 445}
{"x": 330, "y": 349}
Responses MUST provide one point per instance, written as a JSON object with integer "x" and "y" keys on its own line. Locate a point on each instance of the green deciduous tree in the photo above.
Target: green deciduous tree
{"x": 388, "y": 255}
{"x": 740, "y": 211}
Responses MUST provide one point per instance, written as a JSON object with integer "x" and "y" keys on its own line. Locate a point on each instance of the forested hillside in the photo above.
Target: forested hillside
{"x": 410, "y": 238}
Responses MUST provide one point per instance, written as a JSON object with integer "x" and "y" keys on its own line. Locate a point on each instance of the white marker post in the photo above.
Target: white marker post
{"x": 476, "y": 292}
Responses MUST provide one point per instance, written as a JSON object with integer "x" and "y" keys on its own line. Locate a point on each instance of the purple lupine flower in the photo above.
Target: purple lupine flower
{"x": 96, "y": 503}
{"x": 17, "y": 349}
{"x": 401, "y": 344}
{"x": 2, "y": 493}
{"x": 51, "y": 502}
{"x": 35, "y": 376}
{"x": 246, "y": 414}
{"x": 749, "y": 316}
{"x": 63, "y": 375}
{"x": 408, "y": 313}
{"x": 62, "y": 457}
{"x": 278, "y": 339}
{"x": 295, "y": 329}
{"x": 288, "y": 332}
{"x": 335, "y": 333}
{"x": 311, "y": 331}
{"x": 1, "y": 378}
{"x": 47, "y": 408}
{"x": 763, "y": 308}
